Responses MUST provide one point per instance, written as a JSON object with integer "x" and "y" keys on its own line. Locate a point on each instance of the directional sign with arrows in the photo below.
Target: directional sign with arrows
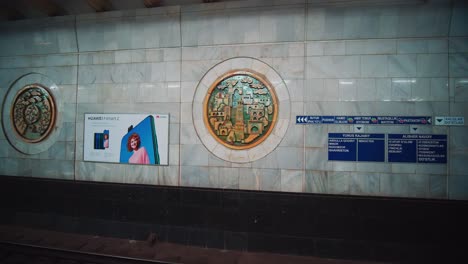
{"x": 365, "y": 120}
{"x": 302, "y": 119}
{"x": 449, "y": 120}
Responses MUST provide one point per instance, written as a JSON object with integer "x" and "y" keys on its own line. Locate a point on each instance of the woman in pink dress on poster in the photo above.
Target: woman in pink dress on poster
{"x": 106, "y": 140}
{"x": 139, "y": 156}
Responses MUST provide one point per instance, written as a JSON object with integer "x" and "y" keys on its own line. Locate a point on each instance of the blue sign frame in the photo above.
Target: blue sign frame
{"x": 356, "y": 147}
{"x": 365, "y": 120}
{"x": 398, "y": 148}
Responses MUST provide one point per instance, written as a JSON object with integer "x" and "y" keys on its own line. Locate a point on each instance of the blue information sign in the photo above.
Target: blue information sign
{"x": 365, "y": 120}
{"x": 417, "y": 148}
{"x": 341, "y": 147}
{"x": 356, "y": 147}
{"x": 432, "y": 149}
{"x": 372, "y": 149}
{"x": 401, "y": 148}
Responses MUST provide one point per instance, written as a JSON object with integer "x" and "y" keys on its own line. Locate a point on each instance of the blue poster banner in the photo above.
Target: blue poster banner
{"x": 356, "y": 147}
{"x": 417, "y": 148}
{"x": 365, "y": 120}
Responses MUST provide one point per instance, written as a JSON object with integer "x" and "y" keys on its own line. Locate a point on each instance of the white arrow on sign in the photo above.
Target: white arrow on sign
{"x": 301, "y": 119}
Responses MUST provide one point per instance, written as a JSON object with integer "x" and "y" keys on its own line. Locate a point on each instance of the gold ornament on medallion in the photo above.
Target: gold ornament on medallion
{"x": 33, "y": 113}
{"x": 240, "y": 109}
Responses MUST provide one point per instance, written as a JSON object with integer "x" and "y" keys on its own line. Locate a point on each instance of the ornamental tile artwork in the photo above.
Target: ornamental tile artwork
{"x": 33, "y": 113}
{"x": 240, "y": 109}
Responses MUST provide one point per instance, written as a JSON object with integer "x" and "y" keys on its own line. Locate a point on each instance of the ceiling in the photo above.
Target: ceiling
{"x": 28, "y": 9}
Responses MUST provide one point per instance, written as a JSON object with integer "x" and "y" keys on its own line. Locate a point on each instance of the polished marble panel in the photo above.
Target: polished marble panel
{"x": 135, "y": 174}
{"x": 190, "y": 175}
{"x": 366, "y": 90}
{"x": 364, "y": 183}
{"x": 248, "y": 25}
{"x": 394, "y": 184}
{"x": 38, "y": 36}
{"x": 329, "y": 59}
{"x": 371, "y": 46}
{"x": 269, "y": 179}
{"x": 334, "y": 48}
{"x": 137, "y": 32}
{"x": 458, "y": 44}
{"x": 290, "y": 157}
{"x": 333, "y": 67}
{"x": 438, "y": 186}
{"x": 169, "y": 175}
{"x": 248, "y": 180}
{"x": 321, "y": 90}
{"x": 457, "y": 185}
{"x": 316, "y": 181}
{"x": 374, "y": 66}
{"x": 338, "y": 182}
{"x": 458, "y": 64}
{"x": 459, "y": 19}
{"x": 432, "y": 65}
{"x": 460, "y": 89}
{"x": 402, "y": 65}
{"x": 294, "y": 137}
{"x": 418, "y": 185}
{"x": 422, "y": 46}
{"x": 317, "y": 159}
{"x": 292, "y": 180}
{"x": 212, "y": 179}
{"x": 229, "y": 178}
{"x": 194, "y": 155}
{"x": 353, "y": 22}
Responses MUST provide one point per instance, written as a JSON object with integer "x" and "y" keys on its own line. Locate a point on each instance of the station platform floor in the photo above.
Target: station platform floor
{"x": 153, "y": 249}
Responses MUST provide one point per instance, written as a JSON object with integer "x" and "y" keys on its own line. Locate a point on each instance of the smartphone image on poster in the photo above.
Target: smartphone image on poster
{"x": 98, "y": 141}
{"x": 101, "y": 140}
{"x": 140, "y": 144}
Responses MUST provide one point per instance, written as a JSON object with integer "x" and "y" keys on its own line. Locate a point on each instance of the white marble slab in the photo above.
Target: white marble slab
{"x": 459, "y": 19}
{"x": 38, "y": 36}
{"x": 292, "y": 180}
{"x": 333, "y": 67}
{"x": 358, "y": 22}
{"x": 249, "y": 25}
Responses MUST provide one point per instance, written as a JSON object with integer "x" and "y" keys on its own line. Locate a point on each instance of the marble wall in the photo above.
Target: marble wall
{"x": 458, "y": 82}
{"x": 335, "y": 58}
{"x": 47, "y": 47}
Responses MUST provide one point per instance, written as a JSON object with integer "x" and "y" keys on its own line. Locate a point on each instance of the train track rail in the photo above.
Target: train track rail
{"x": 16, "y": 253}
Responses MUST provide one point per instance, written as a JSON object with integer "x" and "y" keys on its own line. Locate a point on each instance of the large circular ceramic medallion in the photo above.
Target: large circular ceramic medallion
{"x": 33, "y": 113}
{"x": 240, "y": 110}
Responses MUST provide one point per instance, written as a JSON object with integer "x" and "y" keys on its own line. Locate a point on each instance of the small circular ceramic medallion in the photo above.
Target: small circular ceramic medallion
{"x": 33, "y": 113}
{"x": 240, "y": 109}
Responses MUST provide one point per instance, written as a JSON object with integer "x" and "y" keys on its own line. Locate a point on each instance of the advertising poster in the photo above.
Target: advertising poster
{"x": 127, "y": 138}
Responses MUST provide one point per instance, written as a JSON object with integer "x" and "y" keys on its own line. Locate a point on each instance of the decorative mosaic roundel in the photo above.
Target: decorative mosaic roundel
{"x": 240, "y": 110}
{"x": 33, "y": 113}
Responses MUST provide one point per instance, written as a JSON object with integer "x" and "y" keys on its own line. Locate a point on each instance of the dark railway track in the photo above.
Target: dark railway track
{"x": 14, "y": 253}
